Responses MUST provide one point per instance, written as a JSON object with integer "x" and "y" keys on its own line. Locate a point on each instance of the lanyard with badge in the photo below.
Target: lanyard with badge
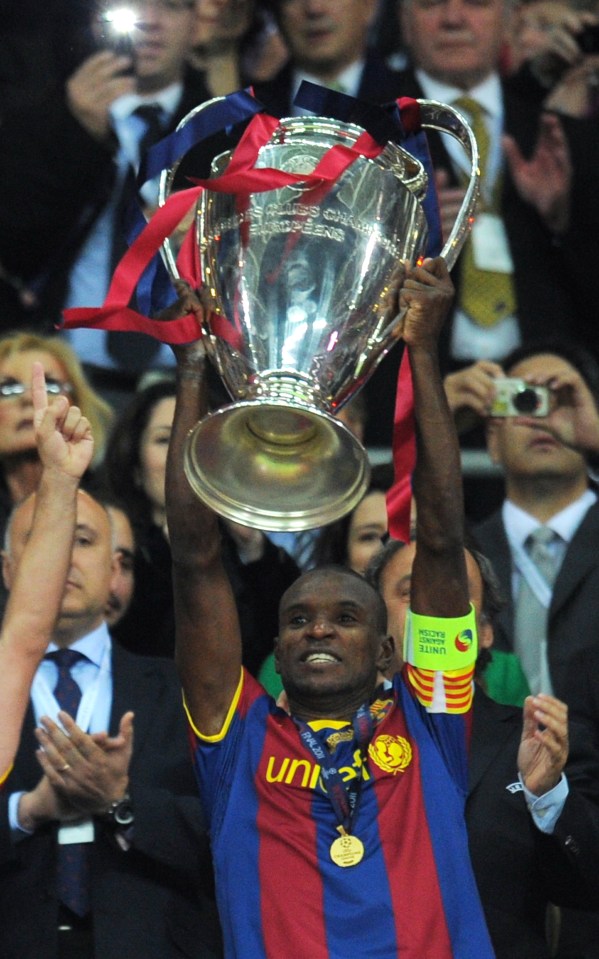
{"x": 347, "y": 849}
{"x": 81, "y": 831}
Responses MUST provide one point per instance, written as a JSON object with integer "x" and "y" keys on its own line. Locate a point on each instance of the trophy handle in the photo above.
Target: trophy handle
{"x": 446, "y": 119}
{"x": 167, "y": 178}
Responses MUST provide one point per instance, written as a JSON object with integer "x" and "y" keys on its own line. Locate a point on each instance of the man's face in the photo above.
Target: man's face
{"x": 395, "y": 586}
{"x": 123, "y": 580}
{"x": 162, "y": 40}
{"x": 456, "y": 41}
{"x": 329, "y": 643}
{"x": 325, "y": 36}
{"x": 90, "y": 574}
{"x": 528, "y": 452}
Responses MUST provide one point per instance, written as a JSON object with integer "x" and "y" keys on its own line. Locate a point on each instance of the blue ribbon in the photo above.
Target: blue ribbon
{"x": 154, "y": 291}
{"x": 383, "y": 122}
{"x": 219, "y": 116}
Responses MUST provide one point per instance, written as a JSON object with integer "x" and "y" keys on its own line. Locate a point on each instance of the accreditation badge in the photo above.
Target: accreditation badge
{"x": 490, "y": 244}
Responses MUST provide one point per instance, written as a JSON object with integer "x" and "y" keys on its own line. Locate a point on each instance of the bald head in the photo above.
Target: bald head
{"x": 338, "y": 580}
{"x": 88, "y": 584}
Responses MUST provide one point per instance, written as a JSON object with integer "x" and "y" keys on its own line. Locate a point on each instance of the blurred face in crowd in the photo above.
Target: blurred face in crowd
{"x": 367, "y": 527}
{"x": 152, "y": 455}
{"x": 395, "y": 585}
{"x": 123, "y": 580}
{"x": 218, "y": 21}
{"x": 528, "y": 452}
{"x": 456, "y": 41}
{"x": 90, "y": 573}
{"x": 161, "y": 39}
{"x": 16, "y": 409}
{"x": 325, "y": 36}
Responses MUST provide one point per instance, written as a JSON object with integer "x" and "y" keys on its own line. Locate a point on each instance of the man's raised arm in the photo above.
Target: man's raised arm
{"x": 65, "y": 447}
{"x": 439, "y": 579}
{"x": 208, "y": 649}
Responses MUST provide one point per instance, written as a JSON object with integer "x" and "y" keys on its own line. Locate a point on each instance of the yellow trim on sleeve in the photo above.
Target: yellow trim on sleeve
{"x": 228, "y": 719}
{"x": 6, "y": 775}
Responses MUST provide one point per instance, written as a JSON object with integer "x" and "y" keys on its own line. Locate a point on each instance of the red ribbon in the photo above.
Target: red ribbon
{"x": 399, "y": 497}
{"x": 242, "y": 178}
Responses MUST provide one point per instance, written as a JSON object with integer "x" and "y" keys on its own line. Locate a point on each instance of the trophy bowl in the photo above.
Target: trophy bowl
{"x": 299, "y": 280}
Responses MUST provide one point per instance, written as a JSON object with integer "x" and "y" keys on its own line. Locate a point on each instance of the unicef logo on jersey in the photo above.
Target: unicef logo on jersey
{"x": 464, "y": 640}
{"x": 393, "y": 754}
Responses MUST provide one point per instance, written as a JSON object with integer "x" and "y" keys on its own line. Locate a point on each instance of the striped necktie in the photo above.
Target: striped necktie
{"x": 72, "y": 870}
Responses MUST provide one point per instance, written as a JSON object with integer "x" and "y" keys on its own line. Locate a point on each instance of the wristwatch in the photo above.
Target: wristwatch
{"x": 120, "y": 813}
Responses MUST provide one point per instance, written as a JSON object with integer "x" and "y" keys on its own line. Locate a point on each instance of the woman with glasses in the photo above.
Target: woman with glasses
{"x": 20, "y": 465}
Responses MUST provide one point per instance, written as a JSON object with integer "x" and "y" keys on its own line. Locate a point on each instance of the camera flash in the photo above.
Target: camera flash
{"x": 122, "y": 19}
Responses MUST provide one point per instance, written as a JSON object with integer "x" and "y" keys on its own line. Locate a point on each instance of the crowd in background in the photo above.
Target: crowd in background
{"x": 75, "y": 120}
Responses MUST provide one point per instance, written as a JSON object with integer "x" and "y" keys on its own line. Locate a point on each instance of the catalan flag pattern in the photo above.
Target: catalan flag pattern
{"x": 449, "y": 692}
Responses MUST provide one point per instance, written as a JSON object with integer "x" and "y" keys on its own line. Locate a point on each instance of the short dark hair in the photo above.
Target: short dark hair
{"x": 493, "y": 599}
{"x": 380, "y": 608}
{"x": 492, "y": 595}
{"x": 577, "y": 356}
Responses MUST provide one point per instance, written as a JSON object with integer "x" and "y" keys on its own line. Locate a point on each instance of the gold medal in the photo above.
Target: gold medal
{"x": 347, "y": 850}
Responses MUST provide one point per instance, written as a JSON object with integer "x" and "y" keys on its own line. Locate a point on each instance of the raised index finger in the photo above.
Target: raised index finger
{"x": 38, "y": 391}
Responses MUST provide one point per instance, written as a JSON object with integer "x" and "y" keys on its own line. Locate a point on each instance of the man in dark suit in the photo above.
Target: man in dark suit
{"x": 545, "y": 461}
{"x": 532, "y": 809}
{"x": 520, "y": 275}
{"x": 122, "y": 808}
{"x": 328, "y": 44}
{"x": 65, "y": 182}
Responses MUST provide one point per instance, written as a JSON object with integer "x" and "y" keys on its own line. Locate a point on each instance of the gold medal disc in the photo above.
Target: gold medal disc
{"x": 347, "y": 850}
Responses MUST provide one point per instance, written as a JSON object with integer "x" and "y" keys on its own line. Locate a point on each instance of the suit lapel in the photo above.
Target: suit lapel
{"x": 137, "y": 685}
{"x": 492, "y": 726}
{"x": 26, "y": 770}
{"x": 581, "y": 557}
{"x": 493, "y": 543}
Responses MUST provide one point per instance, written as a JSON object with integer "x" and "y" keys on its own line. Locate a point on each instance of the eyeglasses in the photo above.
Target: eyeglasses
{"x": 10, "y": 388}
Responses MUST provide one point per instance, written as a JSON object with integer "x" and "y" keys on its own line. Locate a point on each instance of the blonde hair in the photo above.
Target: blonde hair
{"x": 97, "y": 410}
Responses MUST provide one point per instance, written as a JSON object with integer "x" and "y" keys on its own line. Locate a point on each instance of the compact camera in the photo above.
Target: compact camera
{"x": 515, "y": 397}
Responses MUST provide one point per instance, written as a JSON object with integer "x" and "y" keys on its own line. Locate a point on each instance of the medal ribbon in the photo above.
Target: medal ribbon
{"x": 344, "y": 796}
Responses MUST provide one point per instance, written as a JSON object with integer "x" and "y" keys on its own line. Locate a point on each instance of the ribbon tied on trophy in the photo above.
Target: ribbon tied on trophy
{"x": 293, "y": 241}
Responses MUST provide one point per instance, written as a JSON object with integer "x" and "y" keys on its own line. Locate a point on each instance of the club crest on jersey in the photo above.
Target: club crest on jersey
{"x": 393, "y": 754}
{"x": 464, "y": 640}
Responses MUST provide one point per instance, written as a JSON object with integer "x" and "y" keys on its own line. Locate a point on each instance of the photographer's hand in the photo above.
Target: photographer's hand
{"x": 93, "y": 87}
{"x": 470, "y": 393}
{"x": 574, "y": 417}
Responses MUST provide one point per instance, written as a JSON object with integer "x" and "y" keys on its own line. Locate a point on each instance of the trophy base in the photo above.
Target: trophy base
{"x": 276, "y": 466}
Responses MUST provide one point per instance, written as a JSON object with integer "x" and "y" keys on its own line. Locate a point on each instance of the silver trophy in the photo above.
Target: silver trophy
{"x": 302, "y": 287}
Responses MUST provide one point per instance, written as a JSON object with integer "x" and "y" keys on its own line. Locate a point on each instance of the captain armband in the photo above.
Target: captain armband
{"x": 440, "y": 643}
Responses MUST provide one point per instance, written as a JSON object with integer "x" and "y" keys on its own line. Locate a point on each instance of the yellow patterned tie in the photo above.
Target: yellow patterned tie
{"x": 484, "y": 295}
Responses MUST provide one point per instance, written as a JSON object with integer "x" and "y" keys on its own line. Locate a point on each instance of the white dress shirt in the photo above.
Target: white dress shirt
{"x": 91, "y": 273}
{"x": 469, "y": 340}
